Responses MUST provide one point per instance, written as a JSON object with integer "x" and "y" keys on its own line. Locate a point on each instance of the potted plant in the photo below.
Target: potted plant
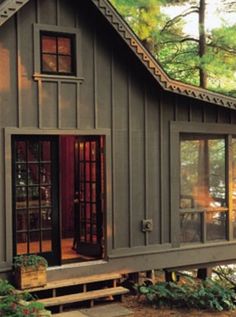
{"x": 30, "y": 271}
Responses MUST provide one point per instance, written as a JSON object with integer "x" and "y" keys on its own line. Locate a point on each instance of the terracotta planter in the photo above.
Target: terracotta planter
{"x": 30, "y": 277}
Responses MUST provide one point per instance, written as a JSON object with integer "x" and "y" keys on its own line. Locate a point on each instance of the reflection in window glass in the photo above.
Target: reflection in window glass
{"x": 233, "y": 216}
{"x": 21, "y": 173}
{"x": 202, "y": 187}
{"x": 49, "y": 63}
{"x": 233, "y": 222}
{"x": 33, "y": 151}
{"x": 190, "y": 225}
{"x": 217, "y": 172}
{"x": 21, "y": 220}
{"x": 34, "y": 242}
{"x": 57, "y": 54}
{"x": 47, "y": 241}
{"x": 49, "y": 44}
{"x": 34, "y": 219}
{"x": 46, "y": 218}
{"x": 21, "y": 243}
{"x": 216, "y": 225}
{"x": 202, "y": 173}
{"x": 21, "y": 152}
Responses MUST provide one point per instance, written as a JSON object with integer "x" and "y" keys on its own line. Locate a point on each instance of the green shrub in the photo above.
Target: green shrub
{"x": 192, "y": 294}
{"x": 17, "y": 304}
{"x": 6, "y": 288}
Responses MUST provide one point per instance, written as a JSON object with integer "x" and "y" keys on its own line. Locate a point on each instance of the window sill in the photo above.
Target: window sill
{"x": 58, "y": 78}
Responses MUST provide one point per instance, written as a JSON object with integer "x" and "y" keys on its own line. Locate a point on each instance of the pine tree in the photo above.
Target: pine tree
{"x": 206, "y": 60}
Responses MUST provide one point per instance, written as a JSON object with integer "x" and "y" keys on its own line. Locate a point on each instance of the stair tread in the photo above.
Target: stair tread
{"x": 77, "y": 281}
{"x": 78, "y": 297}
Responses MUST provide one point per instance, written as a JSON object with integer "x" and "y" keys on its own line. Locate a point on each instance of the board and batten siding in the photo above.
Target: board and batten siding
{"x": 113, "y": 91}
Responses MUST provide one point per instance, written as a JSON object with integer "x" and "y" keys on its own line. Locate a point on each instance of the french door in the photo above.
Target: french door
{"x": 35, "y": 196}
{"x": 89, "y": 195}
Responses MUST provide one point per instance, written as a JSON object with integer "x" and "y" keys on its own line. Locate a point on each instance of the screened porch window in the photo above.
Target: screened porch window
{"x": 203, "y": 191}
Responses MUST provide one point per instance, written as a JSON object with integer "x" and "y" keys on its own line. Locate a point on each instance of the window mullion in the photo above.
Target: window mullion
{"x": 57, "y": 54}
{"x": 204, "y": 227}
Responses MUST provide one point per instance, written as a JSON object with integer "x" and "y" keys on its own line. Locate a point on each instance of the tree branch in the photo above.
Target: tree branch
{"x": 169, "y": 23}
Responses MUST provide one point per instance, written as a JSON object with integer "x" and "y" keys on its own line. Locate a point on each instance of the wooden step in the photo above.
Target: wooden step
{"x": 83, "y": 296}
{"x": 77, "y": 281}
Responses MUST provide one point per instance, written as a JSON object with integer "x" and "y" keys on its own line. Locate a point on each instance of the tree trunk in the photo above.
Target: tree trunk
{"x": 149, "y": 44}
{"x": 202, "y": 43}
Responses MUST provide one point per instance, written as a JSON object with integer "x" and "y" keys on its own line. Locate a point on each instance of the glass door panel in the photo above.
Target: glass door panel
{"x": 35, "y": 196}
{"x": 89, "y": 195}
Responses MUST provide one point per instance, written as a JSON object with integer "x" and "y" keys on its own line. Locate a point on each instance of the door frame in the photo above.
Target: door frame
{"x": 8, "y": 202}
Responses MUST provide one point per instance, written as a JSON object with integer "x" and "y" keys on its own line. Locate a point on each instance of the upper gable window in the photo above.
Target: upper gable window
{"x": 57, "y": 53}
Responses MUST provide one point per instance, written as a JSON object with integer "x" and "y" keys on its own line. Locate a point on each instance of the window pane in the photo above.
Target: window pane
{"x": 45, "y": 174}
{"x": 33, "y": 151}
{"x": 33, "y": 174}
{"x": 20, "y": 151}
{"x": 21, "y": 220}
{"x": 21, "y": 174}
{"x": 202, "y": 172}
{"x": 33, "y": 193}
{"x": 49, "y": 44}
{"x": 45, "y": 147}
{"x": 49, "y": 63}
{"x": 190, "y": 226}
{"x": 64, "y": 45}
{"x": 45, "y": 196}
{"x": 34, "y": 219}
{"x": 93, "y": 151}
{"x": 46, "y": 218}
{"x": 217, "y": 173}
{"x": 216, "y": 225}
{"x": 21, "y": 246}
{"x": 64, "y": 64}
{"x": 34, "y": 244}
{"x": 81, "y": 151}
{"x": 47, "y": 241}
{"x": 21, "y": 197}
{"x": 189, "y": 152}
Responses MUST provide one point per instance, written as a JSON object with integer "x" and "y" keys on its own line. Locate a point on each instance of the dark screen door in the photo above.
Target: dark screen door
{"x": 35, "y": 196}
{"x": 89, "y": 195}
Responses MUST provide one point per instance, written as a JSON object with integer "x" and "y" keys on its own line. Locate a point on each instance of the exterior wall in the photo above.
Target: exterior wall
{"x": 112, "y": 92}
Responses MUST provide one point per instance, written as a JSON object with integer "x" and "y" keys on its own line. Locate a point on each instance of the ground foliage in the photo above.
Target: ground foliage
{"x": 208, "y": 294}
{"x": 15, "y": 304}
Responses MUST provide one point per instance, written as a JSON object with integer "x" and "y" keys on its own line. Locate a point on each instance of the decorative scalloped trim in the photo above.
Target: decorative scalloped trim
{"x": 9, "y": 7}
{"x": 152, "y": 65}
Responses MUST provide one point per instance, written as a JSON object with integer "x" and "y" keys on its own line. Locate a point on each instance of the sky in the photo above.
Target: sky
{"x": 216, "y": 17}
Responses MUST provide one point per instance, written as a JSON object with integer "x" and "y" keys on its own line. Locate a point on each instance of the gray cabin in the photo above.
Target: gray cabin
{"x": 107, "y": 165}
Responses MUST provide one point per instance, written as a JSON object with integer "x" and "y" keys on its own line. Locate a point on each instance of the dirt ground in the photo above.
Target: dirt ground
{"x": 142, "y": 309}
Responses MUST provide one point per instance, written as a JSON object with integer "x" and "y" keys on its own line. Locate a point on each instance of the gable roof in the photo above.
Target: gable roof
{"x": 9, "y": 7}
